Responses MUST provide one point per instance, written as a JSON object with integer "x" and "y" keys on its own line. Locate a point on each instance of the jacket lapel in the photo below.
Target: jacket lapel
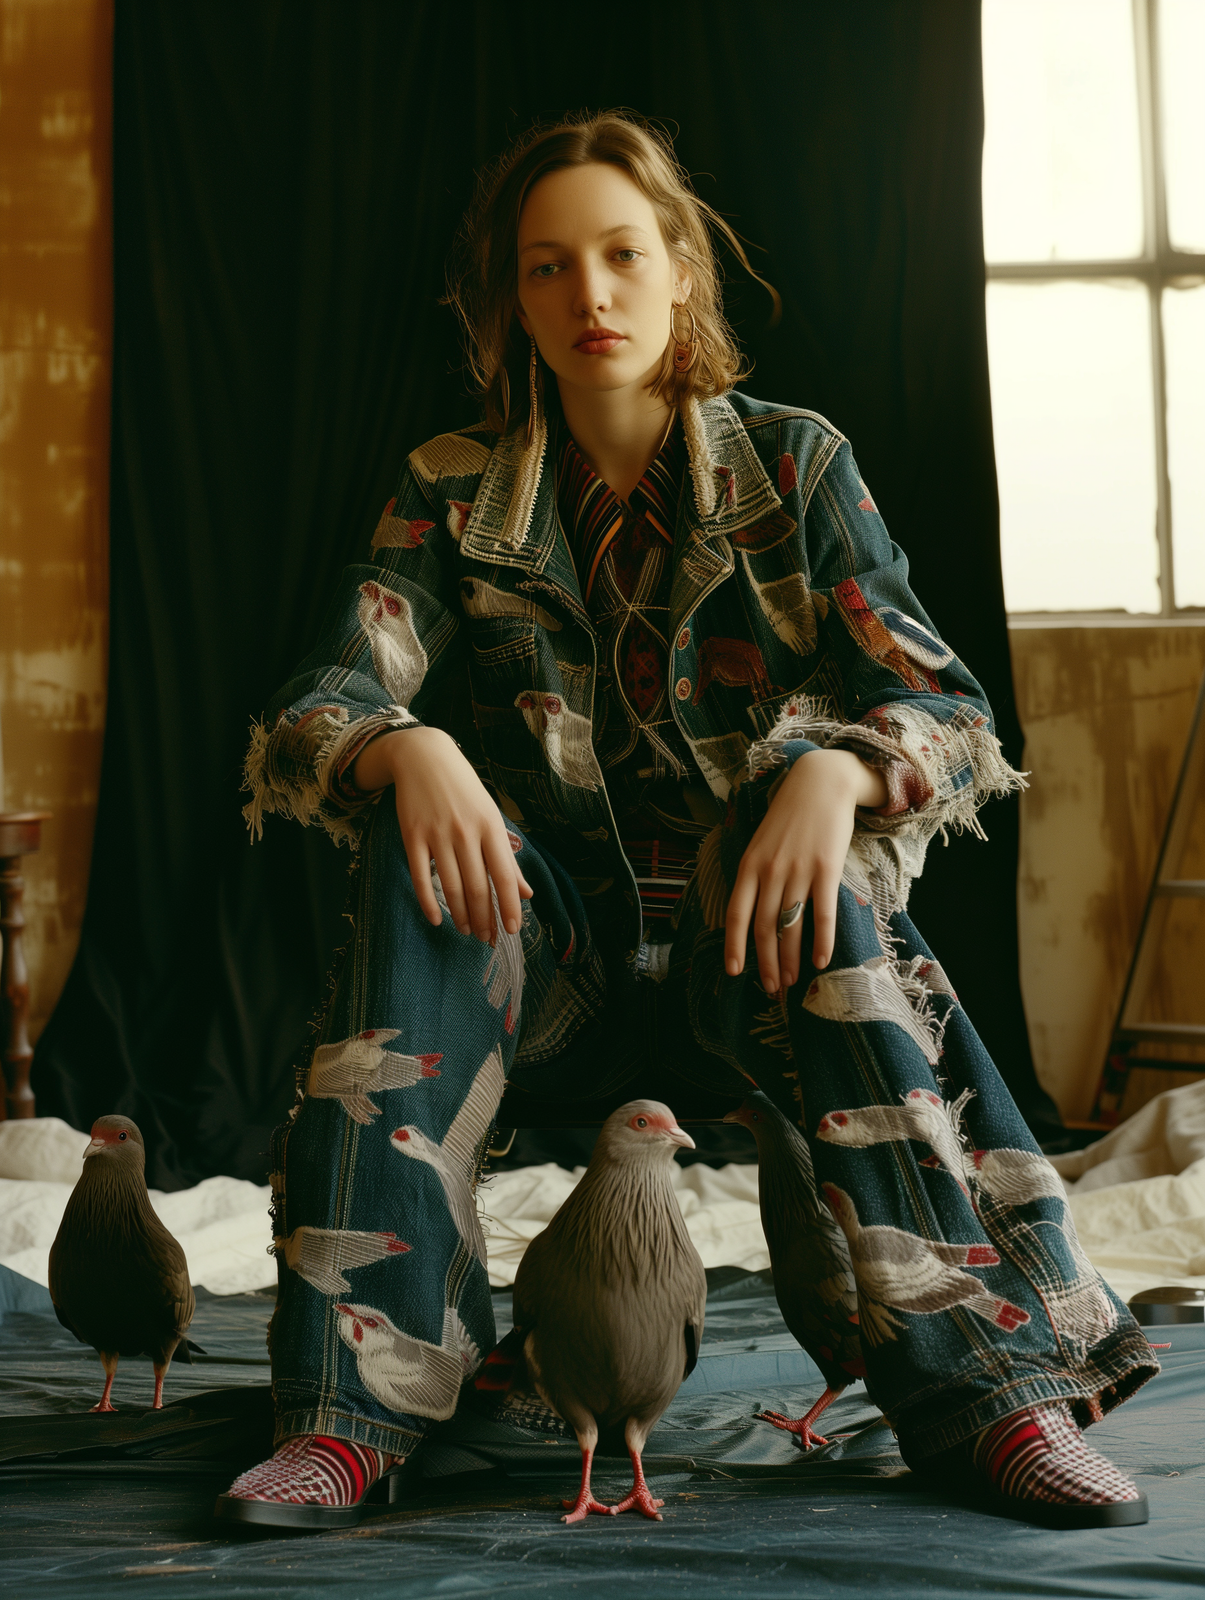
{"x": 514, "y": 520}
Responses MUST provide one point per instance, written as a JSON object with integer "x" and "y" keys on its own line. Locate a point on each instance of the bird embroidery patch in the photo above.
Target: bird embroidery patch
{"x": 898, "y": 1271}
{"x": 872, "y": 993}
{"x": 399, "y": 660}
{"x": 350, "y": 1070}
{"x": 454, "y": 1161}
{"x": 481, "y": 599}
{"x": 564, "y": 736}
{"x": 923, "y": 1116}
{"x": 872, "y": 634}
{"x": 322, "y": 1255}
{"x": 405, "y": 1373}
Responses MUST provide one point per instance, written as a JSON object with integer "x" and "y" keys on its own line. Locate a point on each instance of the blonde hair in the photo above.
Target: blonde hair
{"x": 482, "y": 272}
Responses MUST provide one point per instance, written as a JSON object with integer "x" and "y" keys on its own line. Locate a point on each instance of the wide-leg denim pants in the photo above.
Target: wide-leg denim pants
{"x": 975, "y": 1298}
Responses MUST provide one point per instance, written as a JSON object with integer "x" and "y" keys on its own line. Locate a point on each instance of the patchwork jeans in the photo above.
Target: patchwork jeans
{"x": 975, "y": 1298}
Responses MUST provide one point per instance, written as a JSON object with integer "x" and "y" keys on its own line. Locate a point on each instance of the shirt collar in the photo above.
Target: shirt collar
{"x": 585, "y": 500}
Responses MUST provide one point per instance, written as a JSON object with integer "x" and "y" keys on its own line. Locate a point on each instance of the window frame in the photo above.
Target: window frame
{"x": 1158, "y": 266}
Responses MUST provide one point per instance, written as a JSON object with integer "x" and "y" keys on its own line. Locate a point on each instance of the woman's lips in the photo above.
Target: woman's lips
{"x": 597, "y": 341}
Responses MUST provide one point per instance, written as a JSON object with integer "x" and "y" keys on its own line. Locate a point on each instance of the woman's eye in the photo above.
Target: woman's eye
{"x": 628, "y": 254}
{"x": 545, "y": 269}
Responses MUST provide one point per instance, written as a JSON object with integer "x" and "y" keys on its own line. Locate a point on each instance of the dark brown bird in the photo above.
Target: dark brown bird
{"x": 809, "y": 1256}
{"x": 609, "y": 1299}
{"x": 118, "y": 1279}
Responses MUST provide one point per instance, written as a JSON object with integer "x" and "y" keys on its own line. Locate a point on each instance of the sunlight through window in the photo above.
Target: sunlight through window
{"x": 1094, "y": 233}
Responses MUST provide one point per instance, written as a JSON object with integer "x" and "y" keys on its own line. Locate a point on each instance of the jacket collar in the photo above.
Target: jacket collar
{"x": 513, "y": 518}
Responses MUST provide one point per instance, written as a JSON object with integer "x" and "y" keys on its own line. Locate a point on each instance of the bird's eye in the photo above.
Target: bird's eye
{"x": 122, "y": 1134}
{"x": 642, "y": 1122}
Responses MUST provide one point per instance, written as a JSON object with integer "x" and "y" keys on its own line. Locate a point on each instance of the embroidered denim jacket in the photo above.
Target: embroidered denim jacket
{"x": 792, "y": 627}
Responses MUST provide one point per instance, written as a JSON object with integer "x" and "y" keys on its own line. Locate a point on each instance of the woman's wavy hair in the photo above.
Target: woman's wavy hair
{"x": 482, "y": 272}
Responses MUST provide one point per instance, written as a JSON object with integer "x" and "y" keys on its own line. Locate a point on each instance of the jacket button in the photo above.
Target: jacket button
{"x": 683, "y": 638}
{"x": 682, "y": 688}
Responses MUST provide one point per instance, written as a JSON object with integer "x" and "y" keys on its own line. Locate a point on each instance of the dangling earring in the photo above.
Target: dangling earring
{"x": 533, "y": 387}
{"x": 686, "y": 353}
{"x": 504, "y": 387}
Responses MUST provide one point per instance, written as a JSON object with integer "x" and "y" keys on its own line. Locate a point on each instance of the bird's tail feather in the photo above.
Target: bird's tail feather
{"x": 503, "y": 1367}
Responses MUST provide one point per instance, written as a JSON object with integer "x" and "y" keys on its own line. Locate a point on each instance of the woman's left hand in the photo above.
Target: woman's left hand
{"x": 798, "y": 854}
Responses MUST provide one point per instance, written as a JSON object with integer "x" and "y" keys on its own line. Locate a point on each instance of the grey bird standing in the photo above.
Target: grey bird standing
{"x": 118, "y": 1279}
{"x": 609, "y": 1299}
{"x": 809, "y": 1256}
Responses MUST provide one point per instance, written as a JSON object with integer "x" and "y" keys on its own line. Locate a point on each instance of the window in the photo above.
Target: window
{"x": 1094, "y": 232}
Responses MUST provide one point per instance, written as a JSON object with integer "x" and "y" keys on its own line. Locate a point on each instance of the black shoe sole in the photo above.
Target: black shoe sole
{"x": 281, "y": 1514}
{"x": 1047, "y": 1514}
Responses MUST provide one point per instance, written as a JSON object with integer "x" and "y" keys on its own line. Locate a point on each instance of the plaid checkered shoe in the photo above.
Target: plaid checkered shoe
{"x": 314, "y": 1482}
{"x": 1035, "y": 1465}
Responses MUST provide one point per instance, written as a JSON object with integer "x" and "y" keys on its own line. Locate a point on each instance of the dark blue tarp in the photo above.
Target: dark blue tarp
{"x": 90, "y": 1504}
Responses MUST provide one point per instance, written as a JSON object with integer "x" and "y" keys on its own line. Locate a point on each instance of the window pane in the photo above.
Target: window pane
{"x": 1075, "y": 452}
{"x": 1184, "y": 347}
{"x": 1182, "y": 69}
{"x": 1061, "y": 167}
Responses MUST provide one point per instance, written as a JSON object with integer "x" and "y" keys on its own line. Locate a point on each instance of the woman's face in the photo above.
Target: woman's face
{"x": 596, "y": 281}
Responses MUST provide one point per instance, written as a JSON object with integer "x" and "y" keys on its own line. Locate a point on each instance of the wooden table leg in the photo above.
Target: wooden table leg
{"x": 20, "y": 834}
{"x": 14, "y": 992}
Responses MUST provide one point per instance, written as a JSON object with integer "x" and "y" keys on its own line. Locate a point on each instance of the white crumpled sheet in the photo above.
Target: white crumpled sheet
{"x": 1138, "y": 1198}
{"x": 1138, "y": 1195}
{"x": 222, "y": 1224}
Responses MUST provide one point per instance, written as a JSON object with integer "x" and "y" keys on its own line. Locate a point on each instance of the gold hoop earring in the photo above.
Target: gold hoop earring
{"x": 534, "y": 385}
{"x": 686, "y": 352}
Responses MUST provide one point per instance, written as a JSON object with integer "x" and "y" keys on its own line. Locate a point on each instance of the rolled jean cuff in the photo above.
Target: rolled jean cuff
{"x": 1111, "y": 1373}
{"x": 331, "y": 1422}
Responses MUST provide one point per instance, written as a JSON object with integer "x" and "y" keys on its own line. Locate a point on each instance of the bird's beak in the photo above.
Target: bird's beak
{"x": 93, "y": 1146}
{"x": 733, "y": 1116}
{"x": 680, "y": 1136}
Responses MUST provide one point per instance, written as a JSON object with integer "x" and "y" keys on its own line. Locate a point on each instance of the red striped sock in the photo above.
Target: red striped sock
{"x": 314, "y": 1470}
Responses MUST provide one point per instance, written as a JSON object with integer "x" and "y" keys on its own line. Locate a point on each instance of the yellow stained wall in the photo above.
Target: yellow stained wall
{"x": 55, "y": 342}
{"x": 1106, "y": 712}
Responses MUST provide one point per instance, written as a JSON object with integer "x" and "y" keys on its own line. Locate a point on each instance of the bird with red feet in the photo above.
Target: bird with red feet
{"x": 809, "y": 1257}
{"x": 609, "y": 1300}
{"x": 118, "y": 1279}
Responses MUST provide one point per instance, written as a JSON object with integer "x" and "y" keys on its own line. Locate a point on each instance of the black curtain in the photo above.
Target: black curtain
{"x": 288, "y": 175}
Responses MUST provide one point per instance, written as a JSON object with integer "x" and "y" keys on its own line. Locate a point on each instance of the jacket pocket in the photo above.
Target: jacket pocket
{"x": 824, "y": 684}
{"x": 499, "y": 640}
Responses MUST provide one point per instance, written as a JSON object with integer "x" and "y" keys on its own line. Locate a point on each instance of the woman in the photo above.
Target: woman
{"x": 687, "y": 645}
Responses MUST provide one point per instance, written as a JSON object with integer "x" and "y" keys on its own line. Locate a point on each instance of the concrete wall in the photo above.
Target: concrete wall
{"x": 1106, "y": 712}
{"x": 55, "y": 280}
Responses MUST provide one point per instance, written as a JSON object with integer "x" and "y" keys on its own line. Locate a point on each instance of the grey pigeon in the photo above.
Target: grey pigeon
{"x": 809, "y": 1256}
{"x": 609, "y": 1299}
{"x": 118, "y": 1279}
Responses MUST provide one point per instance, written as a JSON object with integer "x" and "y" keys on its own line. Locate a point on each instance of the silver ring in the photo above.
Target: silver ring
{"x": 789, "y": 917}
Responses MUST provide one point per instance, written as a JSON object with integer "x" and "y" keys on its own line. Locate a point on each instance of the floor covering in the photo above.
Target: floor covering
{"x": 100, "y": 1506}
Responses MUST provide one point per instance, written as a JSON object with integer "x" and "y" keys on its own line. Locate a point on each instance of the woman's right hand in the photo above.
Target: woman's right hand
{"x": 445, "y": 811}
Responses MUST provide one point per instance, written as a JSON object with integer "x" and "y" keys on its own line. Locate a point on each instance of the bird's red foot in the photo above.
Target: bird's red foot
{"x": 799, "y": 1425}
{"x": 640, "y": 1499}
{"x": 581, "y": 1508}
{"x": 103, "y": 1405}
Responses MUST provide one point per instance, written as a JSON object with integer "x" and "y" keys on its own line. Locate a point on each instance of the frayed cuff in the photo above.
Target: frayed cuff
{"x": 299, "y": 768}
{"x": 938, "y": 773}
